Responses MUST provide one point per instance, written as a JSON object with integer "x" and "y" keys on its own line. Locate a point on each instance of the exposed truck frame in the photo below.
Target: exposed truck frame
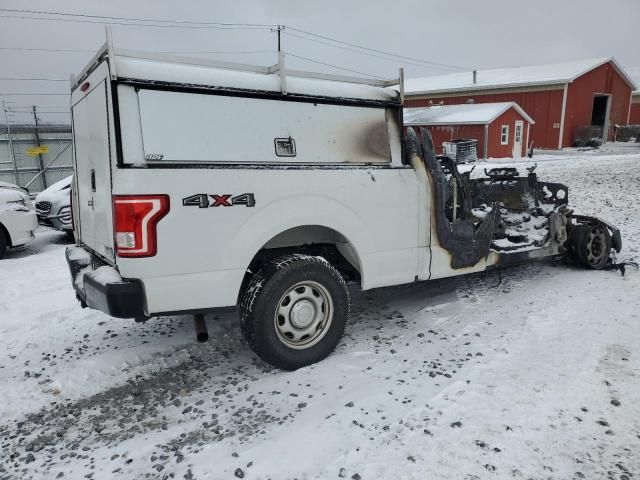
{"x": 201, "y": 185}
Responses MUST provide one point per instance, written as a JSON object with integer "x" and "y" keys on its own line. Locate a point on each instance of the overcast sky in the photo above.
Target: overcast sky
{"x": 470, "y": 34}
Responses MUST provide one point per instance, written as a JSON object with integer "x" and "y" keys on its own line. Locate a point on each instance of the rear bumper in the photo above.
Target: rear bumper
{"x": 100, "y": 286}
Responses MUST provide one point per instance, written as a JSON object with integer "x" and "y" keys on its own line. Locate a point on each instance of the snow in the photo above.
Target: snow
{"x": 526, "y": 372}
{"x": 474, "y": 114}
{"x": 105, "y": 275}
{"x": 9, "y": 196}
{"x": 172, "y": 71}
{"x": 78, "y": 253}
{"x": 548, "y": 74}
{"x": 58, "y": 192}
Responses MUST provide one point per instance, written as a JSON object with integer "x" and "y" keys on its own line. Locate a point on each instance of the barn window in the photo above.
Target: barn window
{"x": 504, "y": 135}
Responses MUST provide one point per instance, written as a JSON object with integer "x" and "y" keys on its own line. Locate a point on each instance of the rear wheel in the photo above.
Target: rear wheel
{"x": 294, "y": 310}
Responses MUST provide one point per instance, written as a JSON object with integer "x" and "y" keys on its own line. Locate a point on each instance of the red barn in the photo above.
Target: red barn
{"x": 634, "y": 111}
{"x": 501, "y": 129}
{"x": 560, "y": 97}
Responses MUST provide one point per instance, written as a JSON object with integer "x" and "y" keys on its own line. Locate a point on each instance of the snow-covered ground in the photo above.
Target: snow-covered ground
{"x": 531, "y": 372}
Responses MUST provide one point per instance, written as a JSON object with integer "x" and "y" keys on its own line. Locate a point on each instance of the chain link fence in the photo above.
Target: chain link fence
{"x": 21, "y": 165}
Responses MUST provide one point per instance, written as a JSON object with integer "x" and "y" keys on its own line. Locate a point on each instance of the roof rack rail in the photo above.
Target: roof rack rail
{"x": 279, "y": 68}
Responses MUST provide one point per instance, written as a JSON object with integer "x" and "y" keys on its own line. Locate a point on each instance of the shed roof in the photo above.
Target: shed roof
{"x": 524, "y": 76}
{"x": 465, "y": 114}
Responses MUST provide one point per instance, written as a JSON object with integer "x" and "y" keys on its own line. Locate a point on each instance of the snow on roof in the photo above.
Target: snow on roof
{"x": 468, "y": 113}
{"x": 634, "y": 73}
{"x": 192, "y": 71}
{"x": 530, "y": 75}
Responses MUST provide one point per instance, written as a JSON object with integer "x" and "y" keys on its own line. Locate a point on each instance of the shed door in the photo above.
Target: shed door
{"x": 517, "y": 139}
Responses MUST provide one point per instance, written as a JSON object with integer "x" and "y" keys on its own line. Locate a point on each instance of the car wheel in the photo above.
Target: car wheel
{"x": 294, "y": 310}
{"x": 593, "y": 246}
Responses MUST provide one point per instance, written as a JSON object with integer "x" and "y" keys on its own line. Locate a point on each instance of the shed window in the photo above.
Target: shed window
{"x": 504, "y": 135}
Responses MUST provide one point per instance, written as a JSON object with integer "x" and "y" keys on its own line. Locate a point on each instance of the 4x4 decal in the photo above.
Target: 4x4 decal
{"x": 204, "y": 200}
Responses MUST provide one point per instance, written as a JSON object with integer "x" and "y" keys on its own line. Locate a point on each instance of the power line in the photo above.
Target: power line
{"x": 29, "y": 94}
{"x": 388, "y": 59}
{"x": 64, "y": 50}
{"x": 187, "y": 22}
{"x": 46, "y": 108}
{"x": 435, "y": 64}
{"x": 86, "y": 18}
{"x": 329, "y": 65}
{"x": 35, "y": 79}
{"x": 125, "y": 24}
{"x": 128, "y": 21}
{"x": 74, "y": 50}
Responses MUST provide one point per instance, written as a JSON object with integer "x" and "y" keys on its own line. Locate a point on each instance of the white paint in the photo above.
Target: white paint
{"x": 504, "y": 134}
{"x": 188, "y": 127}
{"x": 607, "y": 119}
{"x": 517, "y": 139}
{"x": 19, "y": 219}
{"x": 563, "y": 112}
{"x": 92, "y": 151}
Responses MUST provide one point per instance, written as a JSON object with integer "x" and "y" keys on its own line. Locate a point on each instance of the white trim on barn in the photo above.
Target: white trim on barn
{"x": 562, "y": 115}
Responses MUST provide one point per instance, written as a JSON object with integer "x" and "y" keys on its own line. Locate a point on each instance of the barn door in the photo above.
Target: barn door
{"x": 517, "y": 139}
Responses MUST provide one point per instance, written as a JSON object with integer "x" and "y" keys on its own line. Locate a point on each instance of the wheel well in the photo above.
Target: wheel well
{"x": 314, "y": 240}
{"x": 3, "y": 231}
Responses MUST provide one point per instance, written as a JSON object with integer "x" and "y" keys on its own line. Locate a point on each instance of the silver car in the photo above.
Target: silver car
{"x": 53, "y": 206}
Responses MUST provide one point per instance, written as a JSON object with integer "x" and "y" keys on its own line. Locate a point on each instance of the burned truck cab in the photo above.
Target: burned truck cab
{"x": 503, "y": 218}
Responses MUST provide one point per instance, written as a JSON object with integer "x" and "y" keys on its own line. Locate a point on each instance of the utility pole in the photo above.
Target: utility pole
{"x": 11, "y": 150}
{"x": 36, "y": 135}
{"x": 279, "y": 29}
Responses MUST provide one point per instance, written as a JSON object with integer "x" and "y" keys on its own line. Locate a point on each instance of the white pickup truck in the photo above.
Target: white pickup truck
{"x": 201, "y": 185}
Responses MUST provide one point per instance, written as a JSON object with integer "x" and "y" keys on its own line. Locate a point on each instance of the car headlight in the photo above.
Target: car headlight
{"x": 18, "y": 205}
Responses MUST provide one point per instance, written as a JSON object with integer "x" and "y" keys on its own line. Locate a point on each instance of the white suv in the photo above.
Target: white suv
{"x": 18, "y": 219}
{"x": 53, "y": 206}
{"x": 201, "y": 185}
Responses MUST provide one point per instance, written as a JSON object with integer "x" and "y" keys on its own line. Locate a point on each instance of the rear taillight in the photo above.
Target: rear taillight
{"x": 135, "y": 218}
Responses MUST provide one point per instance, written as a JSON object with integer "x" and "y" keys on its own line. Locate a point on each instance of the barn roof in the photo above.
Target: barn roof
{"x": 525, "y": 76}
{"x": 468, "y": 113}
{"x": 634, "y": 73}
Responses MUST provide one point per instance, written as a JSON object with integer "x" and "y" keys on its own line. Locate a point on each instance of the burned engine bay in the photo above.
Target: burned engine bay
{"x": 524, "y": 204}
{"x": 516, "y": 217}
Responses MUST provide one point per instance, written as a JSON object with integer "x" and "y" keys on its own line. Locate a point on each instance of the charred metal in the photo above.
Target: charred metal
{"x": 516, "y": 218}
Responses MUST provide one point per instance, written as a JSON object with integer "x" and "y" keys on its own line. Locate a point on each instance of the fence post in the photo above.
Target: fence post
{"x": 11, "y": 151}
{"x": 36, "y": 135}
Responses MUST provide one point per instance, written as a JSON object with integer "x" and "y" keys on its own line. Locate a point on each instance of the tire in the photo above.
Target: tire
{"x": 3, "y": 243}
{"x": 592, "y": 246}
{"x": 294, "y": 310}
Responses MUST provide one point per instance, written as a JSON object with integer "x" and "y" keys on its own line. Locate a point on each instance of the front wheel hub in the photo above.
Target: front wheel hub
{"x": 303, "y": 315}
